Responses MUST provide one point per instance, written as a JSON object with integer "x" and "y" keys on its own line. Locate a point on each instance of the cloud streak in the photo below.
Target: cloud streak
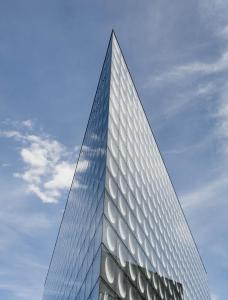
{"x": 190, "y": 69}
{"x": 206, "y": 194}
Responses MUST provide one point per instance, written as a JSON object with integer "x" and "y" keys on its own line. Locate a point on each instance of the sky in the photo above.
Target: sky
{"x": 51, "y": 53}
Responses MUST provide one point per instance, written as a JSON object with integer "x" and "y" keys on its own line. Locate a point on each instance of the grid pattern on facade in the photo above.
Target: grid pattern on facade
{"x": 150, "y": 252}
{"x": 75, "y": 265}
{"x": 123, "y": 234}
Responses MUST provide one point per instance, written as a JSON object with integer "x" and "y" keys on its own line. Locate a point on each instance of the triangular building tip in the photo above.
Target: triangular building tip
{"x": 123, "y": 234}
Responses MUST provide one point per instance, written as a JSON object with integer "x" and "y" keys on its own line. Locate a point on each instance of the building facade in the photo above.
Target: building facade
{"x": 123, "y": 234}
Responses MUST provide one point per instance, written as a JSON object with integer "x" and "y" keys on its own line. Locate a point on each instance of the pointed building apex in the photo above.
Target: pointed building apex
{"x": 123, "y": 234}
{"x": 113, "y": 35}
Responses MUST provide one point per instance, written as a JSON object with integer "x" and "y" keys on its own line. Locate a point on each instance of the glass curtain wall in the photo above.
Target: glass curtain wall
{"x": 75, "y": 266}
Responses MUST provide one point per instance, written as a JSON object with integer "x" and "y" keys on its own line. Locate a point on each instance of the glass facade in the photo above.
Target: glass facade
{"x": 75, "y": 265}
{"x": 123, "y": 233}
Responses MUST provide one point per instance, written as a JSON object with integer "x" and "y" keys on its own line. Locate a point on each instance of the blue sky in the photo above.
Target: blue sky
{"x": 51, "y": 54}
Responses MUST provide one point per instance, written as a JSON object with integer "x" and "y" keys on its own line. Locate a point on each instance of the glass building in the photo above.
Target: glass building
{"x": 123, "y": 234}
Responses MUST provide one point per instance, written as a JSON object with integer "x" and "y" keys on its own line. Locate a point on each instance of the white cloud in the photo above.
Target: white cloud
{"x": 192, "y": 68}
{"x": 224, "y": 32}
{"x": 198, "y": 146}
{"x": 5, "y": 165}
{"x": 214, "y": 297}
{"x": 27, "y": 123}
{"x": 205, "y": 89}
{"x": 46, "y": 195}
{"x": 181, "y": 102}
{"x": 34, "y": 156}
{"x": 222, "y": 114}
{"x": 48, "y": 168}
{"x": 212, "y": 190}
{"x": 221, "y": 119}
{"x": 11, "y": 134}
{"x": 61, "y": 177}
{"x": 205, "y": 68}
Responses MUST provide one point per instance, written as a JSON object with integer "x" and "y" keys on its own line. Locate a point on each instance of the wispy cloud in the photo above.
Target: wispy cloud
{"x": 221, "y": 117}
{"x": 207, "y": 194}
{"x": 189, "y": 69}
{"x": 22, "y": 275}
{"x": 22, "y": 292}
{"x": 24, "y": 227}
{"x": 27, "y": 123}
{"x": 223, "y": 32}
{"x": 214, "y": 297}
{"x": 193, "y": 147}
{"x": 47, "y": 164}
{"x": 182, "y": 101}
{"x": 18, "y": 220}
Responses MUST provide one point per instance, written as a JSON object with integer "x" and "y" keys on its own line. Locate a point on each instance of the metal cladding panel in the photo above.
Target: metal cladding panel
{"x": 149, "y": 250}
